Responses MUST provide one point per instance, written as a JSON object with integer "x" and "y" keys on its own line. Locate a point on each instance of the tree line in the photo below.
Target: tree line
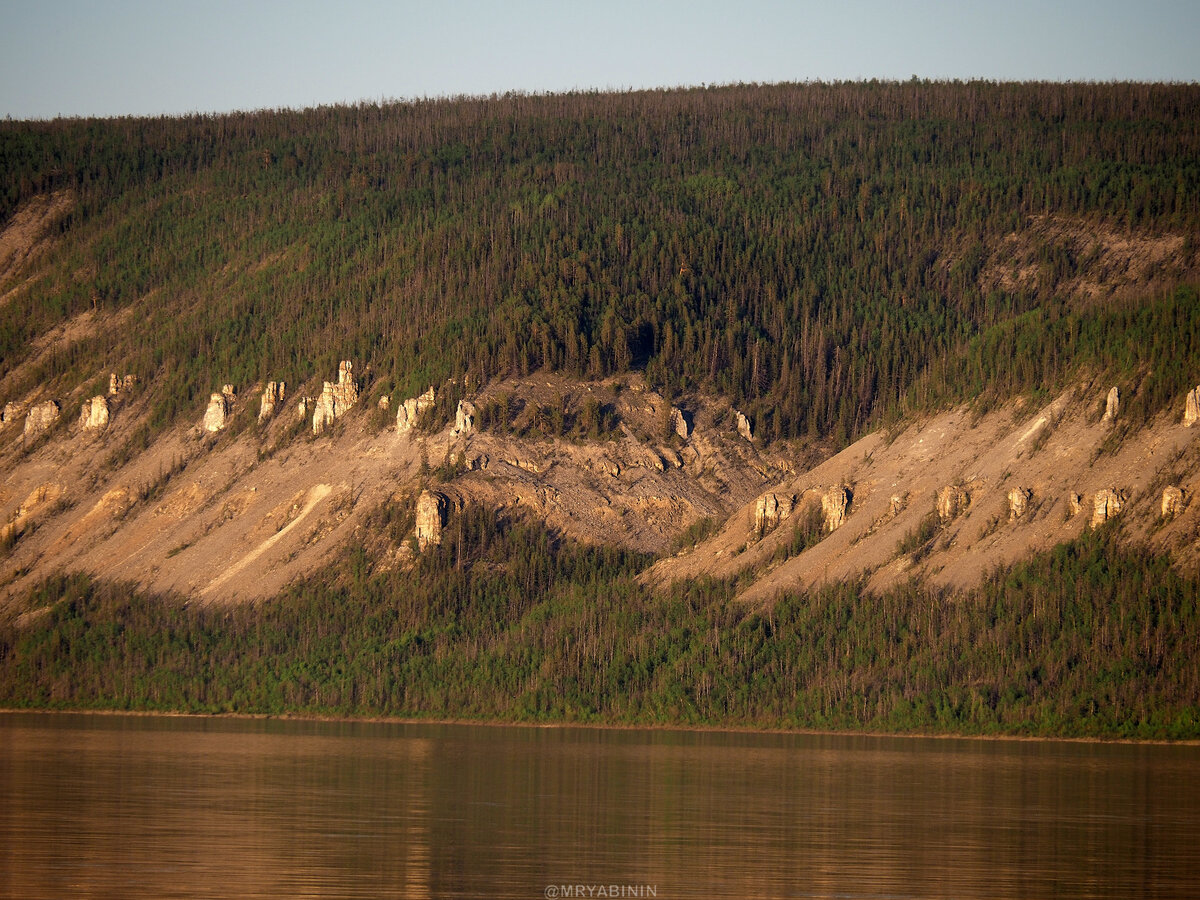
{"x": 814, "y": 253}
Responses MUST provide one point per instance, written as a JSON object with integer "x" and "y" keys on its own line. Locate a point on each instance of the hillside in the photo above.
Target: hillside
{"x": 715, "y": 356}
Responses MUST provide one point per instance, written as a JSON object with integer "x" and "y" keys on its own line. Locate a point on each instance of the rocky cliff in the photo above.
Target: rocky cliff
{"x": 241, "y": 518}
{"x": 336, "y": 398}
{"x": 952, "y": 496}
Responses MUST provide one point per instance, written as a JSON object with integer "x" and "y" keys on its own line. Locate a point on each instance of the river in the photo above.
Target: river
{"x": 145, "y": 806}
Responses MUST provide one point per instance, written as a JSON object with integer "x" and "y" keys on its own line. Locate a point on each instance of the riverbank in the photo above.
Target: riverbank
{"x": 591, "y": 726}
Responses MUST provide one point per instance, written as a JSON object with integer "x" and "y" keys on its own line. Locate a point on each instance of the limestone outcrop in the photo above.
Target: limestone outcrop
{"x": 769, "y": 511}
{"x": 1074, "y": 503}
{"x": 94, "y": 413}
{"x": 896, "y": 505}
{"x": 951, "y": 500}
{"x": 834, "y": 504}
{"x": 431, "y": 518}
{"x": 12, "y": 411}
{"x": 335, "y": 399}
{"x": 407, "y": 412}
{"x": 217, "y": 413}
{"x": 384, "y": 402}
{"x": 1172, "y": 502}
{"x": 1191, "y": 408}
{"x": 272, "y": 396}
{"x": 1106, "y": 504}
{"x": 303, "y": 408}
{"x": 464, "y": 417}
{"x": 41, "y": 417}
{"x": 745, "y": 429}
{"x": 1018, "y": 502}
{"x": 1112, "y": 405}
{"x": 117, "y": 384}
{"x": 681, "y": 423}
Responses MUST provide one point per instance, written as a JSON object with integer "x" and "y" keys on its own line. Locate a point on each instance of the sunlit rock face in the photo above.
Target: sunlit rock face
{"x": 217, "y": 413}
{"x": 1172, "y": 501}
{"x": 770, "y": 510}
{"x": 951, "y": 500}
{"x": 1018, "y": 502}
{"x": 1106, "y": 504}
{"x": 431, "y": 518}
{"x": 41, "y": 417}
{"x": 94, "y": 413}
{"x": 834, "y": 505}
{"x": 1112, "y": 405}
{"x": 335, "y": 399}
{"x": 272, "y": 396}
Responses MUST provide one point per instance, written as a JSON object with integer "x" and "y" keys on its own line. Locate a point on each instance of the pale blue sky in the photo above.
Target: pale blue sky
{"x": 68, "y": 57}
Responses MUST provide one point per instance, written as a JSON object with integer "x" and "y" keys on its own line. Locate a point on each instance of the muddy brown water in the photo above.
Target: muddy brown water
{"x": 136, "y": 806}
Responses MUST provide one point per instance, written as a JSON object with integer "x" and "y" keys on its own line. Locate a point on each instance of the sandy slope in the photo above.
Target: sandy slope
{"x": 226, "y": 518}
{"x": 1060, "y": 449}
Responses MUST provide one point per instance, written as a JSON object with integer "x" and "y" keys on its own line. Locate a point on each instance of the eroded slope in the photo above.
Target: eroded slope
{"x": 1007, "y": 482}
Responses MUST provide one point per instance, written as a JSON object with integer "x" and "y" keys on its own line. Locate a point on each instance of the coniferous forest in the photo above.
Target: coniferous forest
{"x": 503, "y": 622}
{"x": 827, "y": 257}
{"x": 818, "y": 254}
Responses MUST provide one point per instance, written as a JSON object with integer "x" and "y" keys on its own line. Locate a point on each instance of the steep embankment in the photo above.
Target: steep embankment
{"x": 957, "y": 495}
{"x": 242, "y": 510}
{"x": 824, "y": 259}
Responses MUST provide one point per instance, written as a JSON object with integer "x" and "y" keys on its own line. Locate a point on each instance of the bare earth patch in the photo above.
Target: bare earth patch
{"x": 25, "y": 235}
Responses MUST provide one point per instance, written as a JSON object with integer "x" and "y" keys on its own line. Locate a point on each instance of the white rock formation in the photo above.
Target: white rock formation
{"x": 12, "y": 411}
{"x": 407, "y": 412}
{"x": 464, "y": 417}
{"x": 896, "y": 505}
{"x": 41, "y": 417}
{"x": 272, "y": 396}
{"x": 1106, "y": 504}
{"x": 1018, "y": 502}
{"x": 951, "y": 500}
{"x": 117, "y": 384}
{"x": 1112, "y": 405}
{"x": 745, "y": 429}
{"x": 335, "y": 399}
{"x": 681, "y": 423}
{"x": 1191, "y": 409}
{"x": 834, "y": 504}
{"x": 217, "y": 413}
{"x": 769, "y": 511}
{"x": 1172, "y": 502}
{"x": 1074, "y": 503}
{"x": 94, "y": 413}
{"x": 303, "y": 407}
{"x": 431, "y": 517}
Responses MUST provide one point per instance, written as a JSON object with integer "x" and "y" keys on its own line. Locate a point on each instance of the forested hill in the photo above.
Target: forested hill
{"x": 808, "y": 252}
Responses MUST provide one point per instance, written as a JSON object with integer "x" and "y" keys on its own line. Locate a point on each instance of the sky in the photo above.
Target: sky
{"x": 137, "y": 57}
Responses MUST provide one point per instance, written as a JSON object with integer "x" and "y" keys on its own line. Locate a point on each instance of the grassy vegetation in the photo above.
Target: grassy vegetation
{"x": 504, "y": 622}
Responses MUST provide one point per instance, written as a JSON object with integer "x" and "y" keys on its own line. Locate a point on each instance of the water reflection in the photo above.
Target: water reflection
{"x": 109, "y": 806}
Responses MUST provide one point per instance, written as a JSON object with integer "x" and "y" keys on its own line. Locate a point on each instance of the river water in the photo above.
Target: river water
{"x": 137, "y": 806}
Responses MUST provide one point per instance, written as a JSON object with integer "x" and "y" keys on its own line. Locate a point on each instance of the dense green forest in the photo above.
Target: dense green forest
{"x": 825, "y": 257}
{"x": 814, "y": 253}
{"x": 503, "y": 621}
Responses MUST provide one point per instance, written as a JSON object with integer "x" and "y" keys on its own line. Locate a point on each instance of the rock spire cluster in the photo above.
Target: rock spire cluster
{"x": 336, "y": 398}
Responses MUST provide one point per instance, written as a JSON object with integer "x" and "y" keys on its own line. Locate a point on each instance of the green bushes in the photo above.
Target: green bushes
{"x": 503, "y": 621}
